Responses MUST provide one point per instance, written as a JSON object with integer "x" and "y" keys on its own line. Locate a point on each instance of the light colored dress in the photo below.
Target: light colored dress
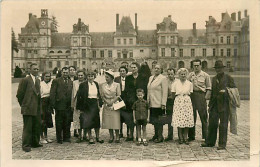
{"x": 76, "y": 113}
{"x": 182, "y": 109}
{"x": 110, "y": 117}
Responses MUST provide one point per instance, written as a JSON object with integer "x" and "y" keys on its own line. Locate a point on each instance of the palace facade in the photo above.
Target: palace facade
{"x": 228, "y": 40}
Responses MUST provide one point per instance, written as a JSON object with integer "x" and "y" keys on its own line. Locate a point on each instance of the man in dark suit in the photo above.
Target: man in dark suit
{"x": 60, "y": 97}
{"x": 28, "y": 95}
{"x": 219, "y": 107}
{"x": 121, "y": 80}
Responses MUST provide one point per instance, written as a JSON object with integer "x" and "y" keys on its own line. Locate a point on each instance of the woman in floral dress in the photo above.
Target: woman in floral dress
{"x": 182, "y": 109}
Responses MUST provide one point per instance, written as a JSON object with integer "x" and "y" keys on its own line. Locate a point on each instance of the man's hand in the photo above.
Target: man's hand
{"x": 163, "y": 107}
{"x": 222, "y": 91}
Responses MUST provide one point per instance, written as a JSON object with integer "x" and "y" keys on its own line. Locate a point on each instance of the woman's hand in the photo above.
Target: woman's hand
{"x": 163, "y": 107}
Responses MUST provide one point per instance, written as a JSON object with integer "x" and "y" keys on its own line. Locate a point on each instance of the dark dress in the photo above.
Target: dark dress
{"x": 46, "y": 113}
{"x": 89, "y": 117}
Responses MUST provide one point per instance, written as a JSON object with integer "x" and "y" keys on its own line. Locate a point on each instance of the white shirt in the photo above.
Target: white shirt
{"x": 182, "y": 88}
{"x": 33, "y": 78}
{"x": 92, "y": 90}
{"x": 123, "y": 83}
{"x": 45, "y": 88}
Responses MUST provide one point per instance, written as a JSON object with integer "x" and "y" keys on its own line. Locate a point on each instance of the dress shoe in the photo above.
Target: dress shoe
{"x": 78, "y": 140}
{"x": 111, "y": 140}
{"x": 121, "y": 136}
{"x": 76, "y": 134}
{"x": 191, "y": 139}
{"x": 221, "y": 148}
{"x": 129, "y": 139}
{"x": 67, "y": 140}
{"x": 91, "y": 141}
{"x": 49, "y": 140}
{"x": 27, "y": 149}
{"x": 180, "y": 141}
{"x": 117, "y": 141}
{"x": 60, "y": 142}
{"x": 37, "y": 145}
{"x": 138, "y": 143}
{"x": 206, "y": 145}
{"x": 153, "y": 139}
{"x": 168, "y": 139}
{"x": 99, "y": 141}
{"x": 158, "y": 140}
{"x": 85, "y": 139}
{"x": 186, "y": 142}
{"x": 145, "y": 143}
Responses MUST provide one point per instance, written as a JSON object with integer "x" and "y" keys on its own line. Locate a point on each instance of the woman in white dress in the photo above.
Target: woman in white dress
{"x": 182, "y": 109}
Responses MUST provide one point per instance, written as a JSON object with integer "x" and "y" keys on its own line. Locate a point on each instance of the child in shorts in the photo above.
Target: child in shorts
{"x": 141, "y": 116}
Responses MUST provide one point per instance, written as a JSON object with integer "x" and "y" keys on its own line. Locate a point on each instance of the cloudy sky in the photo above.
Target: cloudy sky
{"x": 101, "y": 15}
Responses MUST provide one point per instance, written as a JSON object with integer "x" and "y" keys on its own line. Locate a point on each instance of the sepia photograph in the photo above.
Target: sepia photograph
{"x": 123, "y": 83}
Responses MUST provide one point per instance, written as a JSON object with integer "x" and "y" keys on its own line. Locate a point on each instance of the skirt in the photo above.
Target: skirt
{"x": 46, "y": 114}
{"x": 90, "y": 118}
{"x": 110, "y": 118}
{"x": 76, "y": 120}
{"x": 183, "y": 112}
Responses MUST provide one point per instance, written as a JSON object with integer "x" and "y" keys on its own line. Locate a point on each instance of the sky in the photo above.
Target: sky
{"x": 101, "y": 15}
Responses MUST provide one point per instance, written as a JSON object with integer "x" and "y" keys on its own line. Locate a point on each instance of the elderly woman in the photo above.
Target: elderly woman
{"x": 110, "y": 92}
{"x": 157, "y": 92}
{"x": 182, "y": 109}
{"x": 89, "y": 102}
{"x": 47, "y": 111}
{"x": 76, "y": 114}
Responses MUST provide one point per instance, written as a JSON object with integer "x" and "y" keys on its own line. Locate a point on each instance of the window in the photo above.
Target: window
{"x": 213, "y": 40}
{"x": 192, "y": 52}
{"x": 67, "y": 63}
{"x": 141, "y": 50}
{"x": 22, "y": 40}
{"x": 124, "y": 41}
{"x": 29, "y": 40}
{"x": 228, "y": 64}
{"x": 110, "y": 53}
{"x": 83, "y": 53}
{"x": 83, "y": 62}
{"x": 51, "y": 51}
{"x": 125, "y": 56}
{"x": 235, "y": 39}
{"x": 118, "y": 55}
{"x": 221, "y": 39}
{"x": 228, "y": 39}
{"x": 163, "y": 40}
{"x": 83, "y": 41}
{"x": 131, "y": 41}
{"x": 181, "y": 52}
{"x": 58, "y": 64}
{"x": 172, "y": 52}
{"x": 235, "y": 52}
{"x": 67, "y": 51}
{"x": 29, "y": 51}
{"x": 102, "y": 53}
{"x": 131, "y": 54}
{"x": 153, "y": 50}
{"x": 163, "y": 52}
{"x": 94, "y": 54}
{"x": 35, "y": 51}
{"x": 75, "y": 51}
{"x": 59, "y": 51}
{"x": 204, "y": 52}
{"x": 221, "y": 52}
{"x": 75, "y": 63}
{"x": 172, "y": 39}
{"x": 228, "y": 52}
{"x": 214, "y": 52}
{"x": 118, "y": 41}
{"x": 75, "y": 40}
{"x": 50, "y": 64}
{"x": 35, "y": 40}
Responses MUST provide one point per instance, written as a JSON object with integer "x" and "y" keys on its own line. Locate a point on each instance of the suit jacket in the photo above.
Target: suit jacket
{"x": 28, "y": 95}
{"x": 123, "y": 93}
{"x": 157, "y": 91}
{"x": 82, "y": 96}
{"x": 60, "y": 94}
{"x": 218, "y": 99}
{"x": 130, "y": 89}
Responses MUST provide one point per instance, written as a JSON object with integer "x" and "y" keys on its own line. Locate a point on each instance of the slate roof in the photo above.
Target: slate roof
{"x": 32, "y": 25}
{"x": 125, "y": 26}
{"x": 102, "y": 38}
{"x": 146, "y": 37}
{"x": 227, "y": 24}
{"x": 188, "y": 33}
{"x": 60, "y": 40}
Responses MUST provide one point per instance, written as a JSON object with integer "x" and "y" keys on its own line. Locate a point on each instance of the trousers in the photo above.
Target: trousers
{"x": 63, "y": 123}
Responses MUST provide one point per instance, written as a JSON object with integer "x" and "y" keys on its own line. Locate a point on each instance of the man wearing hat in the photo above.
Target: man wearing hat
{"x": 219, "y": 107}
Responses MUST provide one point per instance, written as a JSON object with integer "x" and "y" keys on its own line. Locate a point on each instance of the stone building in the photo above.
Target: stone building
{"x": 228, "y": 40}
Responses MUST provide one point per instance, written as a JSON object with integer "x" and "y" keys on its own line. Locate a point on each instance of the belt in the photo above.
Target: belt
{"x": 198, "y": 91}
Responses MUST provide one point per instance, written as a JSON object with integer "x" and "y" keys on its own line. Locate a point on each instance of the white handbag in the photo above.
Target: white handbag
{"x": 119, "y": 104}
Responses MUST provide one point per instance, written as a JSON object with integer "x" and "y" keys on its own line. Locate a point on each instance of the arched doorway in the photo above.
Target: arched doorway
{"x": 181, "y": 64}
{"x": 204, "y": 65}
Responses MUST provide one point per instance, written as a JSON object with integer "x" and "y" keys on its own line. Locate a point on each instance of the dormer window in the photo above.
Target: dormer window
{"x": 59, "y": 51}
{"x": 51, "y": 51}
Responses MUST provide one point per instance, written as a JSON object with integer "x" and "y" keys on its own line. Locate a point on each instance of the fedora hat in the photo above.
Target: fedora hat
{"x": 110, "y": 72}
{"x": 219, "y": 64}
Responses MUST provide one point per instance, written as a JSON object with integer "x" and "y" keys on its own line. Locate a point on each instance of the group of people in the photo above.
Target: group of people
{"x": 156, "y": 99}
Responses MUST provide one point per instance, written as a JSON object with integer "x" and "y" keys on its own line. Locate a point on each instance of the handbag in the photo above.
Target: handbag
{"x": 164, "y": 119}
{"x": 119, "y": 104}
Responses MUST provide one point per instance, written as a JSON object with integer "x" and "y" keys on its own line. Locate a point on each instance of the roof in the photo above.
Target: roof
{"x": 32, "y": 25}
{"x": 167, "y": 25}
{"x": 125, "y": 26}
{"x": 102, "y": 38}
{"x": 188, "y": 33}
{"x": 227, "y": 24}
{"x": 147, "y": 37}
{"x": 60, "y": 39}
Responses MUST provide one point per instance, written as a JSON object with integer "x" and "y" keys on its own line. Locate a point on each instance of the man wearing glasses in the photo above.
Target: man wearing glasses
{"x": 28, "y": 95}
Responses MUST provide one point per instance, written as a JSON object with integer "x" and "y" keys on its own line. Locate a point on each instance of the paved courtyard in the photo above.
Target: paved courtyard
{"x": 238, "y": 147}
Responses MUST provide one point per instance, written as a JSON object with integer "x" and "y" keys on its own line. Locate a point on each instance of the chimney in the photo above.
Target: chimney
{"x": 245, "y": 13}
{"x": 239, "y": 16}
{"x": 222, "y": 16}
{"x": 30, "y": 15}
{"x": 194, "y": 30}
{"x": 170, "y": 16}
{"x": 79, "y": 20}
{"x": 136, "y": 21}
{"x": 233, "y": 16}
{"x": 210, "y": 17}
{"x": 117, "y": 20}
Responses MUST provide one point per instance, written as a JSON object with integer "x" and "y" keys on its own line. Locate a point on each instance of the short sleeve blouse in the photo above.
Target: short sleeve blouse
{"x": 182, "y": 88}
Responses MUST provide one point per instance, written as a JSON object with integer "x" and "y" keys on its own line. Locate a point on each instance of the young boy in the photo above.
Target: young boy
{"x": 141, "y": 116}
